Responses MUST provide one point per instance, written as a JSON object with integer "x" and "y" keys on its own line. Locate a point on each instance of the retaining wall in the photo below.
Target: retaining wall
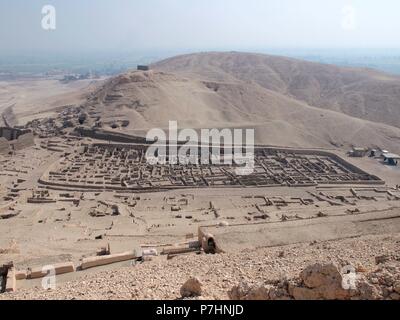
{"x": 109, "y": 136}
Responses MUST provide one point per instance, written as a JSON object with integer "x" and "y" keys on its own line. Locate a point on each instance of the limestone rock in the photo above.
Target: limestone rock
{"x": 320, "y": 281}
{"x": 319, "y": 275}
{"x": 382, "y": 259}
{"x": 191, "y": 288}
{"x": 395, "y": 296}
{"x": 396, "y": 287}
{"x": 367, "y": 291}
{"x": 244, "y": 291}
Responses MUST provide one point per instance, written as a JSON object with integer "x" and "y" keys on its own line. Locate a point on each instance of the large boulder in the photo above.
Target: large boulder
{"x": 319, "y": 275}
{"x": 245, "y": 291}
{"x": 327, "y": 282}
{"x": 321, "y": 281}
{"x": 191, "y": 288}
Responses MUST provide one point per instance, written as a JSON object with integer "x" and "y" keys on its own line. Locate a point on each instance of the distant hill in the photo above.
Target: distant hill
{"x": 361, "y": 93}
{"x": 289, "y": 102}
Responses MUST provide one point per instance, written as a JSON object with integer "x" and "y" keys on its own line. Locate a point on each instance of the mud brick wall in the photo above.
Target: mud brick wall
{"x": 333, "y": 156}
{"x": 323, "y": 168}
{"x": 4, "y": 145}
{"x": 15, "y": 139}
{"x": 3, "y": 278}
{"x": 6, "y": 133}
{"x": 120, "y": 146}
{"x": 24, "y": 141}
{"x": 109, "y": 136}
{"x": 12, "y": 133}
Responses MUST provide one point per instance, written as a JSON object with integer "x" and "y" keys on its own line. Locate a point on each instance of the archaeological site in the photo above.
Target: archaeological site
{"x": 143, "y": 172}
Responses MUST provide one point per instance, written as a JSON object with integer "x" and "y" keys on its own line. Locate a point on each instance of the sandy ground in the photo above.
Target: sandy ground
{"x": 31, "y": 99}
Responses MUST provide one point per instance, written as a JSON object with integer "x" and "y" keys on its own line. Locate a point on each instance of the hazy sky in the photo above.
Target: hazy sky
{"x": 114, "y": 25}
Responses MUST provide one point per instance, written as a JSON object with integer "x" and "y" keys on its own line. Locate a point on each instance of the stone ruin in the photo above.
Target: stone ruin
{"x": 326, "y": 282}
{"x": 70, "y": 117}
{"x": 12, "y": 139}
{"x": 124, "y": 167}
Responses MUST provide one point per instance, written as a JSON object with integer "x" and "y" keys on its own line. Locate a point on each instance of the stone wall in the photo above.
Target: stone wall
{"x": 15, "y": 139}
{"x": 4, "y": 145}
{"x": 12, "y": 133}
{"x": 331, "y": 155}
{"x": 23, "y": 141}
{"x": 109, "y": 136}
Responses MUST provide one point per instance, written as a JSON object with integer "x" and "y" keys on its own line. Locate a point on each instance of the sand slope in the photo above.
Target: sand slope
{"x": 26, "y": 99}
{"x": 362, "y": 93}
{"x": 273, "y": 95}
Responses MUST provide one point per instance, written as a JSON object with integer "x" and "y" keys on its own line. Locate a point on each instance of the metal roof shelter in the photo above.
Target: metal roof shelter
{"x": 391, "y": 156}
{"x": 392, "y": 159}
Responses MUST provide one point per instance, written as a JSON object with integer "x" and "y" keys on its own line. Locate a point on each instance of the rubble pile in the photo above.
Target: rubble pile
{"x": 326, "y": 282}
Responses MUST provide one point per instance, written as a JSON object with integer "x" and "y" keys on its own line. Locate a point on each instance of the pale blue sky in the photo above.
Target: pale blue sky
{"x": 116, "y": 25}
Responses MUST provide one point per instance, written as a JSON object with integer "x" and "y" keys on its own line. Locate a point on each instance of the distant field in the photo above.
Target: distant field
{"x": 113, "y": 63}
{"x": 386, "y": 64}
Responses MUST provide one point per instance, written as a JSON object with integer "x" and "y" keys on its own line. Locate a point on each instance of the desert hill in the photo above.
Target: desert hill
{"x": 361, "y": 93}
{"x": 288, "y": 102}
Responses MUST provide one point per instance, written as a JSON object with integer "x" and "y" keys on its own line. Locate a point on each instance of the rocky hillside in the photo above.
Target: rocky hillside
{"x": 301, "y": 271}
{"x": 288, "y": 102}
{"x": 360, "y": 93}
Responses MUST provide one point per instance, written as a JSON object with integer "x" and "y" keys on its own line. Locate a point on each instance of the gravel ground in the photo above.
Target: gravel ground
{"x": 162, "y": 279}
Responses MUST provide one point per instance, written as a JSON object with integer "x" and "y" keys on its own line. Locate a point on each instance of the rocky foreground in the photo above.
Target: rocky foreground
{"x": 359, "y": 268}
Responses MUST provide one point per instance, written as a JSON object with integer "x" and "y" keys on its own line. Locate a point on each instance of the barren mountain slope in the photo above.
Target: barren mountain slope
{"x": 151, "y": 99}
{"x": 23, "y": 100}
{"x": 360, "y": 93}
